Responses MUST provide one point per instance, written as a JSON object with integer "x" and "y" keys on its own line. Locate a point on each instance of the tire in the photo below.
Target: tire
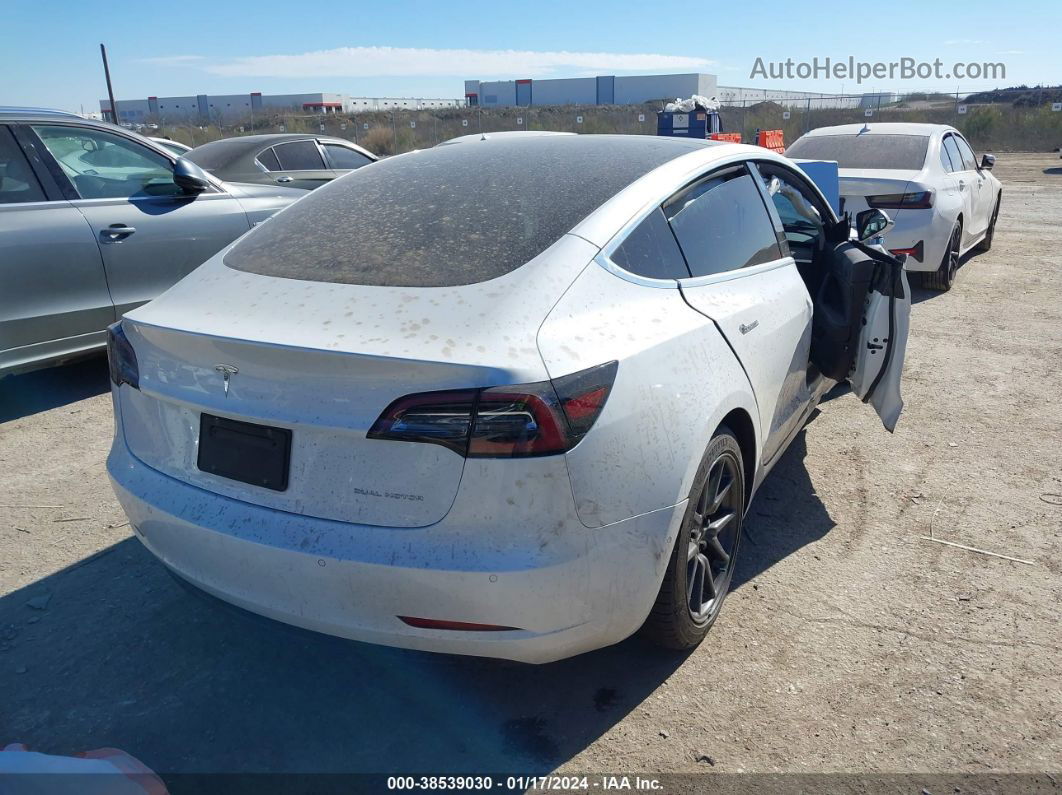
{"x": 986, "y": 243}
{"x": 707, "y": 544}
{"x": 943, "y": 277}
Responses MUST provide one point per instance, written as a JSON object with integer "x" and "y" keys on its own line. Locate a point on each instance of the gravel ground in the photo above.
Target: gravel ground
{"x": 850, "y": 643}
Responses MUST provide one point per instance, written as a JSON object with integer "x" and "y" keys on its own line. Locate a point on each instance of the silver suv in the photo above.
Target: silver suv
{"x": 96, "y": 220}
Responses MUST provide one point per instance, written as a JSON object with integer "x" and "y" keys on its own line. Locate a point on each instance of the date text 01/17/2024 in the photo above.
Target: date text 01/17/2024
{"x": 524, "y": 783}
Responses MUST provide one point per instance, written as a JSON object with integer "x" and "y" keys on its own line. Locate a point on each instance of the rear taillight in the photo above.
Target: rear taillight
{"x": 121, "y": 358}
{"x": 917, "y": 251}
{"x": 543, "y": 418}
{"x": 436, "y": 417}
{"x": 919, "y": 200}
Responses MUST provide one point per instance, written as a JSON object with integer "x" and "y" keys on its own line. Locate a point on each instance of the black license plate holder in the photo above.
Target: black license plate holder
{"x": 244, "y": 451}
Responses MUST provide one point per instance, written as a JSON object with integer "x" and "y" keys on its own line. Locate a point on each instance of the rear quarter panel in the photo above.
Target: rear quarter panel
{"x": 677, "y": 379}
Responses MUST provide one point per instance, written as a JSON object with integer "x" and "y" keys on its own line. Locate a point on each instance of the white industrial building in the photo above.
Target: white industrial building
{"x": 637, "y": 89}
{"x": 230, "y": 106}
{"x": 601, "y": 90}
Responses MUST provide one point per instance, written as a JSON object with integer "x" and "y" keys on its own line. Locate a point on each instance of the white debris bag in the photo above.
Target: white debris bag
{"x": 696, "y": 102}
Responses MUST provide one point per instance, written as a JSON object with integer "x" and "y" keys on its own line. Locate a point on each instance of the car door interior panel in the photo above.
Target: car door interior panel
{"x": 839, "y": 304}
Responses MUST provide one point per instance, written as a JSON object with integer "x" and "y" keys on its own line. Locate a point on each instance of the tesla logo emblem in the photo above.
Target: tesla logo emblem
{"x": 227, "y": 371}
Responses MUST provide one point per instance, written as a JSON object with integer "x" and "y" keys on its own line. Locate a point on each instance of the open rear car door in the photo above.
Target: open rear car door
{"x": 861, "y": 318}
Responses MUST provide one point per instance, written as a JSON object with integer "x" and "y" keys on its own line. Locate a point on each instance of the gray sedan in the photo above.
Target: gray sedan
{"x": 96, "y": 220}
{"x": 295, "y": 160}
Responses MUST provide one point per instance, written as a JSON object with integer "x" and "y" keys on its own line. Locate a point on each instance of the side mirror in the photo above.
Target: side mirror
{"x": 987, "y": 161}
{"x": 872, "y": 223}
{"x": 189, "y": 177}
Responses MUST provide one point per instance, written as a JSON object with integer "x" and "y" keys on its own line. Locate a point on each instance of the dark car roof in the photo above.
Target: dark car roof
{"x": 219, "y": 154}
{"x": 451, "y": 215}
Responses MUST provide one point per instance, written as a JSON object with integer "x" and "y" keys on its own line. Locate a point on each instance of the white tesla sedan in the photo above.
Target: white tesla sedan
{"x": 942, "y": 200}
{"x": 510, "y": 399}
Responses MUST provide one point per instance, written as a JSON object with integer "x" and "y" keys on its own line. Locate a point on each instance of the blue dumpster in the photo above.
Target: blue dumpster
{"x": 695, "y": 124}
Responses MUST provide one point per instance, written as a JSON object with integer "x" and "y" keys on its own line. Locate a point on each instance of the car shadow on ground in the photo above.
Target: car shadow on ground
{"x": 786, "y": 514}
{"x": 113, "y": 652}
{"x": 920, "y": 293}
{"x": 32, "y": 393}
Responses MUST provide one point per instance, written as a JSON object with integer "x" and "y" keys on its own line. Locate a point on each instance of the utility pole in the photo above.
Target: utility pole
{"x": 110, "y": 91}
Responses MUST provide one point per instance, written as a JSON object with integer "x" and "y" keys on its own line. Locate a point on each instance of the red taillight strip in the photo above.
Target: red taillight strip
{"x": 917, "y": 251}
{"x": 460, "y": 626}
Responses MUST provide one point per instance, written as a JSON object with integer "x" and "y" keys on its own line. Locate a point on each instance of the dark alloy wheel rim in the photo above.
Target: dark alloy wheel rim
{"x": 953, "y": 256}
{"x": 713, "y": 539}
{"x": 992, "y": 224}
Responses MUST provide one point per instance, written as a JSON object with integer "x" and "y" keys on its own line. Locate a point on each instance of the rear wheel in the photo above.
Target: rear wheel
{"x": 703, "y": 559}
{"x": 944, "y": 277}
{"x": 986, "y": 243}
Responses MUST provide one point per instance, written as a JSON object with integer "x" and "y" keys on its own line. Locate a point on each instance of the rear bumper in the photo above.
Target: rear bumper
{"x": 913, "y": 226}
{"x": 910, "y": 227}
{"x": 568, "y": 591}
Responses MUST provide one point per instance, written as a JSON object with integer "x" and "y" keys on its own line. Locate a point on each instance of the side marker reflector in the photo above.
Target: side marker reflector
{"x": 460, "y": 626}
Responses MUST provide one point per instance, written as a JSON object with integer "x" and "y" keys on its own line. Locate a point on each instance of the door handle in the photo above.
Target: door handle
{"x": 962, "y": 185}
{"x": 116, "y": 232}
{"x": 285, "y": 179}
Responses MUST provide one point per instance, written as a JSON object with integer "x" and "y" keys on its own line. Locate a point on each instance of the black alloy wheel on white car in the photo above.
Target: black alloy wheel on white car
{"x": 704, "y": 556}
{"x": 944, "y": 277}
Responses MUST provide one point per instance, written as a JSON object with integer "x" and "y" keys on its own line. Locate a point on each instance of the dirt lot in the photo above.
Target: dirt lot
{"x": 850, "y": 643}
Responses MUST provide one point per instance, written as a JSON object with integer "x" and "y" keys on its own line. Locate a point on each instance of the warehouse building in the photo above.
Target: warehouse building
{"x": 637, "y": 89}
{"x": 230, "y": 106}
{"x": 602, "y": 90}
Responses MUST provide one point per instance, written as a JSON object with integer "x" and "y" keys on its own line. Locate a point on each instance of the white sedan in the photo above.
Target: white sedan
{"x": 943, "y": 201}
{"x": 176, "y": 147}
{"x": 509, "y": 400}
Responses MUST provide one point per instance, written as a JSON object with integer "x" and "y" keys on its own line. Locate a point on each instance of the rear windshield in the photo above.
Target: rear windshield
{"x": 906, "y": 152}
{"x": 216, "y": 154}
{"x": 451, "y": 215}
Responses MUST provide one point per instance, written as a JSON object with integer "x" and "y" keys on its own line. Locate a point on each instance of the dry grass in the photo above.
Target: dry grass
{"x": 988, "y": 127}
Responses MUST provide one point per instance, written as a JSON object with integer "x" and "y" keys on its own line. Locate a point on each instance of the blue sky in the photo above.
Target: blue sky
{"x": 49, "y": 52}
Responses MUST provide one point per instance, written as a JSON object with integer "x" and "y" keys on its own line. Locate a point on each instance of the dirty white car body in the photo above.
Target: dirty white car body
{"x": 925, "y": 176}
{"x": 376, "y": 530}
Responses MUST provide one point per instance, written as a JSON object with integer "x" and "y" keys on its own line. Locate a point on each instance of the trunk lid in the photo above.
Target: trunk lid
{"x": 856, "y": 184}
{"x": 324, "y": 360}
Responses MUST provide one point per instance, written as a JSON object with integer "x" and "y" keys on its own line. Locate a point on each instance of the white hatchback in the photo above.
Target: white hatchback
{"x": 943, "y": 200}
{"x": 510, "y": 399}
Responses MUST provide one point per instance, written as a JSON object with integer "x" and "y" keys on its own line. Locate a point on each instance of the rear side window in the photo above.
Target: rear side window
{"x": 945, "y": 158}
{"x": 866, "y": 150}
{"x": 344, "y": 157}
{"x": 17, "y": 181}
{"x": 969, "y": 162}
{"x": 269, "y": 159}
{"x": 722, "y": 225}
{"x": 299, "y": 156}
{"x": 953, "y": 153}
{"x": 651, "y": 250}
